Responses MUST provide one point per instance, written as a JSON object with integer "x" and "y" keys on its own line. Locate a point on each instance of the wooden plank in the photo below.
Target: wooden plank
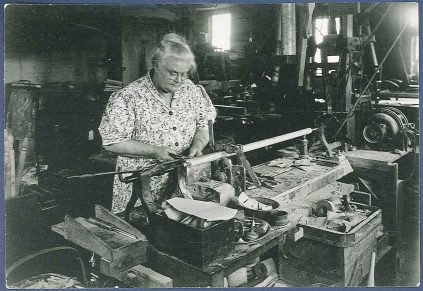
{"x": 182, "y": 273}
{"x": 59, "y": 228}
{"x": 374, "y": 156}
{"x": 141, "y": 276}
{"x": 137, "y": 255}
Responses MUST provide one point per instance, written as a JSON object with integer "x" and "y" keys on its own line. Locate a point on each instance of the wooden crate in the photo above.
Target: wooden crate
{"x": 190, "y": 244}
{"x": 350, "y": 238}
{"x": 311, "y": 262}
{"x": 118, "y": 252}
{"x": 329, "y": 257}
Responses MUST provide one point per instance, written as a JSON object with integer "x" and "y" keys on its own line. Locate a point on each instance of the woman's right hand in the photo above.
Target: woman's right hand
{"x": 162, "y": 153}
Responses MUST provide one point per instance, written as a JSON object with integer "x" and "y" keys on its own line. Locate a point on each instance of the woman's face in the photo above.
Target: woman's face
{"x": 170, "y": 73}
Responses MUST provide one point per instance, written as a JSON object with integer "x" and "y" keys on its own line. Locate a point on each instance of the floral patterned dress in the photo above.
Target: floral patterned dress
{"x": 138, "y": 112}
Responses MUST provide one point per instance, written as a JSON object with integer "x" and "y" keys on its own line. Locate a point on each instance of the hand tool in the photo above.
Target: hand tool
{"x": 298, "y": 167}
{"x": 267, "y": 177}
{"x": 267, "y": 181}
{"x": 252, "y": 234}
{"x": 108, "y": 226}
{"x": 178, "y": 156}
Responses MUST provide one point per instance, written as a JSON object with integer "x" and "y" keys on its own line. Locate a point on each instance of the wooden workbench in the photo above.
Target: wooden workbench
{"x": 295, "y": 183}
{"x": 186, "y": 275}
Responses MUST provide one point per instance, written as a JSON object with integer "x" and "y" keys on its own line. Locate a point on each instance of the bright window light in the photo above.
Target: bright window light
{"x": 321, "y": 29}
{"x": 412, "y": 15}
{"x": 221, "y": 31}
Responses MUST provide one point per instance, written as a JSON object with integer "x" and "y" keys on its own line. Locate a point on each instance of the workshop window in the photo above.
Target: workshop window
{"x": 412, "y": 16}
{"x": 320, "y": 30}
{"x": 221, "y": 31}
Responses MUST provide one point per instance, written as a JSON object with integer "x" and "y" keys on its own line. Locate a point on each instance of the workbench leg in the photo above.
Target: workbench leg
{"x": 281, "y": 244}
{"x": 217, "y": 280}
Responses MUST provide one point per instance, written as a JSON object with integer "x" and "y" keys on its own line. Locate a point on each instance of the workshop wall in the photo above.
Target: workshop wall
{"x": 138, "y": 41}
{"x": 57, "y": 43}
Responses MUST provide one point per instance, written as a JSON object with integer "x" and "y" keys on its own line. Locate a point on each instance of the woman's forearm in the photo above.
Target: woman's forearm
{"x": 133, "y": 148}
{"x": 201, "y": 138}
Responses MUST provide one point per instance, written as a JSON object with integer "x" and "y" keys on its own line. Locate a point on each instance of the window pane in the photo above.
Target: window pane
{"x": 221, "y": 31}
{"x": 321, "y": 29}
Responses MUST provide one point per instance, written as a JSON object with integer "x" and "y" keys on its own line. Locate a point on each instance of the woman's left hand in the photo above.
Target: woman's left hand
{"x": 195, "y": 151}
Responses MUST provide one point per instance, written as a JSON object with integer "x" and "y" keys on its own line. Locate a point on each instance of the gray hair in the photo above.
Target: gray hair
{"x": 173, "y": 44}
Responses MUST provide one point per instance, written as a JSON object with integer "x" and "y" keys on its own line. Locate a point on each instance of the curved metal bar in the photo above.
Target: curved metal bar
{"x": 29, "y": 257}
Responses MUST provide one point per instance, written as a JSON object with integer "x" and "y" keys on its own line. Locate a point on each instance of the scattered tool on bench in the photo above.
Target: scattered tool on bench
{"x": 106, "y": 225}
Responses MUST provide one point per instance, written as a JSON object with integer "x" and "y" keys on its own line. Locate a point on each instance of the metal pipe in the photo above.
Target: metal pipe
{"x": 276, "y": 139}
{"x": 249, "y": 147}
{"x": 278, "y": 51}
{"x": 372, "y": 48}
{"x": 288, "y": 29}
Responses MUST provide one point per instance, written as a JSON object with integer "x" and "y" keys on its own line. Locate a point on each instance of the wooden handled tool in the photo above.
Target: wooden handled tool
{"x": 12, "y": 166}
{"x": 371, "y": 279}
{"x": 21, "y": 164}
{"x": 108, "y": 226}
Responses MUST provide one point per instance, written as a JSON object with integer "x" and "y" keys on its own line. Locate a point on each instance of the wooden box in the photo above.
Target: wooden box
{"x": 196, "y": 246}
{"x": 118, "y": 252}
{"x": 330, "y": 257}
{"x": 342, "y": 239}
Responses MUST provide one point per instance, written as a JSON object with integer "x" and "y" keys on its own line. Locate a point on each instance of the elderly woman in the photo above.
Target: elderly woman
{"x": 160, "y": 114}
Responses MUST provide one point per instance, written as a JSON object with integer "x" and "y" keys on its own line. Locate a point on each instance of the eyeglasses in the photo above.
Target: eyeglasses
{"x": 175, "y": 75}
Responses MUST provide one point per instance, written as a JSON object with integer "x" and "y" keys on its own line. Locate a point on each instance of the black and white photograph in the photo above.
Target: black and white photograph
{"x": 230, "y": 145}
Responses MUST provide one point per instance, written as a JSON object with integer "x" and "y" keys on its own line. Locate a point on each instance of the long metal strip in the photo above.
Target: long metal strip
{"x": 249, "y": 147}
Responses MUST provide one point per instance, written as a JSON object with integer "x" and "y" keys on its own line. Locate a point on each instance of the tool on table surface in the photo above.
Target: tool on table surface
{"x": 264, "y": 176}
{"x": 231, "y": 148}
{"x": 346, "y": 202}
{"x": 267, "y": 181}
{"x": 252, "y": 234}
{"x": 111, "y": 227}
{"x": 298, "y": 167}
